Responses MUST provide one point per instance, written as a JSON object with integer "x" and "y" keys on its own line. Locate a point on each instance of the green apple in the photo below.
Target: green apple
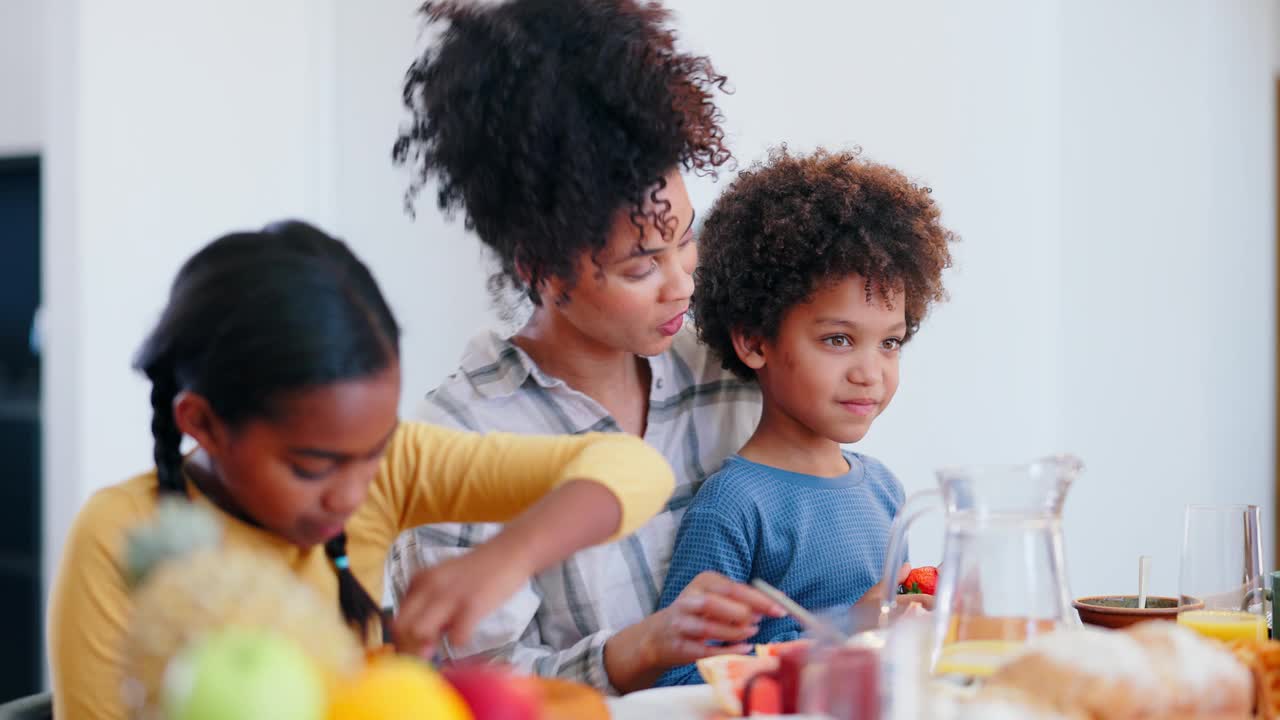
{"x": 239, "y": 674}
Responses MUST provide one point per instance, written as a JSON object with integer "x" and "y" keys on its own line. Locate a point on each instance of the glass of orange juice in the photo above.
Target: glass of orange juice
{"x": 1222, "y": 580}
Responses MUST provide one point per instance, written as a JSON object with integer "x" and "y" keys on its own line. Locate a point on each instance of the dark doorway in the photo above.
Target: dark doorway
{"x": 21, "y": 593}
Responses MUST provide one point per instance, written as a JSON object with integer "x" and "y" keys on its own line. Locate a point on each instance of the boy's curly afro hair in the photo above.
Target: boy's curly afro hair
{"x": 542, "y": 119}
{"x": 786, "y": 228}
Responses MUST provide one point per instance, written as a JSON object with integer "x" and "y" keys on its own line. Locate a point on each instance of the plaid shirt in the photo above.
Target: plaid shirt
{"x": 557, "y": 625}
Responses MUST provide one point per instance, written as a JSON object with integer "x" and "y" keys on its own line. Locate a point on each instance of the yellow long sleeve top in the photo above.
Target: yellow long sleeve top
{"x": 428, "y": 475}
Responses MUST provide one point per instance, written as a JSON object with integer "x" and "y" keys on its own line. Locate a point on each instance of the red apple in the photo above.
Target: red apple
{"x": 494, "y": 693}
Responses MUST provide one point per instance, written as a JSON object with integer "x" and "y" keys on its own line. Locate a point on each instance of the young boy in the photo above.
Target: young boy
{"x": 814, "y": 271}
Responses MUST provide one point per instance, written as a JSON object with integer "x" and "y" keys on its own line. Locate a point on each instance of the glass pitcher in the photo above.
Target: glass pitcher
{"x": 1003, "y": 575}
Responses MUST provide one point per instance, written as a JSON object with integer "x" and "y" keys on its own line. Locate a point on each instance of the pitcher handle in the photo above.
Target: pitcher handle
{"x": 913, "y": 508}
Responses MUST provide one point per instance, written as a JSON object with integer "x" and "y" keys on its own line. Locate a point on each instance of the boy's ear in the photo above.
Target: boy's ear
{"x": 750, "y": 349}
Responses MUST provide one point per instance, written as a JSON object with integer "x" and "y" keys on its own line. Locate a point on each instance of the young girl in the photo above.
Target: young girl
{"x": 278, "y": 355}
{"x": 561, "y": 129}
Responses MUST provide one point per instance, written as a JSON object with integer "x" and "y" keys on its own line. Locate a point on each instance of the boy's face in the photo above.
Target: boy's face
{"x": 834, "y": 364}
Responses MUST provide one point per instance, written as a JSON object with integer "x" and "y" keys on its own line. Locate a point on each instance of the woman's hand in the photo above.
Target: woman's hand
{"x": 712, "y": 608}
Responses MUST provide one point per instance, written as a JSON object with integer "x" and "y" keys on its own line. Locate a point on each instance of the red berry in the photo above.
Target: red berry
{"x": 923, "y": 579}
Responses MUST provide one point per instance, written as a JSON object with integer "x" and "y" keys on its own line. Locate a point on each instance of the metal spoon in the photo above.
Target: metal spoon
{"x": 810, "y": 621}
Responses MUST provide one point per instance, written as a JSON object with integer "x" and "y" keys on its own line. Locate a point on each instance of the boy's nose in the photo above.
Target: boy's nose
{"x": 862, "y": 371}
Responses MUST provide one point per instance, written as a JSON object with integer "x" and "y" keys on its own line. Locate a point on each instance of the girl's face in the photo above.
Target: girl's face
{"x": 303, "y": 472}
{"x": 633, "y": 296}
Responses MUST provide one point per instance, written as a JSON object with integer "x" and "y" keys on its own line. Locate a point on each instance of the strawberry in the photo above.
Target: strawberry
{"x": 922, "y": 580}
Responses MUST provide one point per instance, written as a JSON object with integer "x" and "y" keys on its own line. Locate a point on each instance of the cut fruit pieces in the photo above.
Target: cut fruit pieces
{"x": 727, "y": 675}
{"x": 779, "y": 649}
{"x": 762, "y": 695}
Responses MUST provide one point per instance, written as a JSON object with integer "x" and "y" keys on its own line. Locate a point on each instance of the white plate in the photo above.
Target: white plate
{"x": 686, "y": 702}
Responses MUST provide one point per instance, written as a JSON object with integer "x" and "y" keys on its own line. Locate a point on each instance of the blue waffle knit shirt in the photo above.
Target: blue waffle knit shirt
{"x": 822, "y": 541}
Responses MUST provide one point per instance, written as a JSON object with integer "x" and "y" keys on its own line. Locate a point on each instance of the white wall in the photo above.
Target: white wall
{"x": 1064, "y": 143}
{"x": 1168, "y": 274}
{"x": 1275, "y": 34}
{"x": 20, "y": 86}
{"x": 432, "y": 273}
{"x": 913, "y": 88}
{"x": 1109, "y": 171}
{"x": 267, "y": 111}
{"x": 1105, "y": 168}
{"x": 169, "y": 125}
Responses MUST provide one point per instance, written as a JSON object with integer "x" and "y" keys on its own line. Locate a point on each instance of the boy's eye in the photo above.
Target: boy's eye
{"x": 840, "y": 341}
{"x": 892, "y": 344}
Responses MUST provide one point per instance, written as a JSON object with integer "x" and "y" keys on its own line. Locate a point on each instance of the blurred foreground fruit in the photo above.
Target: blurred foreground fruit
{"x": 235, "y": 674}
{"x": 397, "y": 688}
{"x": 493, "y": 693}
{"x": 188, "y": 585}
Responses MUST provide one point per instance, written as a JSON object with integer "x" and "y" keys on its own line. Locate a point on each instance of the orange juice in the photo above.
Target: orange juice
{"x": 975, "y": 658}
{"x": 994, "y": 627}
{"x": 1225, "y": 625}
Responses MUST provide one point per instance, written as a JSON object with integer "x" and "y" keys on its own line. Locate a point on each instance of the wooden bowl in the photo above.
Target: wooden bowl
{"x": 1120, "y": 611}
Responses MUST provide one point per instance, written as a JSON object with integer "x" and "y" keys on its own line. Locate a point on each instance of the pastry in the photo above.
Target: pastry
{"x": 1263, "y": 660}
{"x": 1155, "y": 670}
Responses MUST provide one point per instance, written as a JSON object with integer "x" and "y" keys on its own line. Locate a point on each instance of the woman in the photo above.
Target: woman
{"x": 560, "y": 128}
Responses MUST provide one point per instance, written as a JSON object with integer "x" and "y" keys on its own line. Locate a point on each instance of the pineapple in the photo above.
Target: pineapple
{"x": 187, "y": 584}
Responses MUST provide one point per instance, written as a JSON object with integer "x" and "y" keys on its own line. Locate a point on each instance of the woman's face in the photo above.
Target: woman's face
{"x": 634, "y": 294}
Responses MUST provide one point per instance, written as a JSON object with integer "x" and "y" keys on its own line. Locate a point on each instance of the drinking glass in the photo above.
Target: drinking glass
{"x": 1222, "y": 579}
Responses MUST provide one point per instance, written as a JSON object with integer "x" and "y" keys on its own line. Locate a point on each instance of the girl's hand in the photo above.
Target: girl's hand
{"x": 711, "y": 608}
{"x": 456, "y": 594}
{"x": 452, "y": 597}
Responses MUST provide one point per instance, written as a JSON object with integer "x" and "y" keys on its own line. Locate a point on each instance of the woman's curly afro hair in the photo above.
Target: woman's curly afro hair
{"x": 786, "y": 228}
{"x": 543, "y": 119}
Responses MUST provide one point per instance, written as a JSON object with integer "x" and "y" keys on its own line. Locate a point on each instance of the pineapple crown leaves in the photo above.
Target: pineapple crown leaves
{"x": 178, "y": 528}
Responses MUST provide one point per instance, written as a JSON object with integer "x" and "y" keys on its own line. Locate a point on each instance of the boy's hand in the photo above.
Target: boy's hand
{"x": 920, "y": 581}
{"x": 866, "y": 612}
{"x": 712, "y": 608}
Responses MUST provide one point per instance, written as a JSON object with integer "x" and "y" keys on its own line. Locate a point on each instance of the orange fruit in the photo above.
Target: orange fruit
{"x": 397, "y": 688}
